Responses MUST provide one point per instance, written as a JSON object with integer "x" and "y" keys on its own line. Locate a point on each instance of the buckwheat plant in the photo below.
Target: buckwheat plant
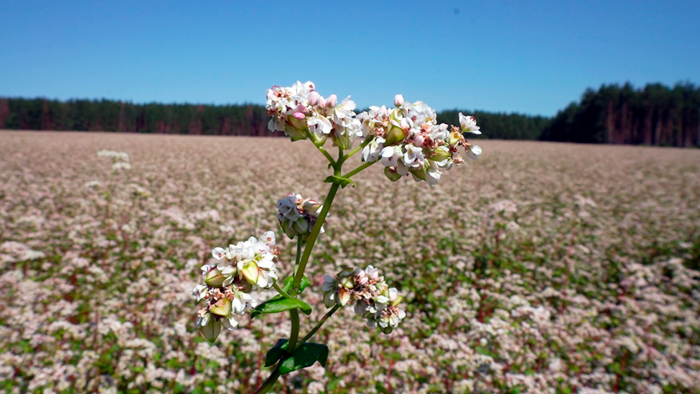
{"x": 405, "y": 140}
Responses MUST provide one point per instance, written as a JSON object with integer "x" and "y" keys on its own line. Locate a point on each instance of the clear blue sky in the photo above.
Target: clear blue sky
{"x": 514, "y": 56}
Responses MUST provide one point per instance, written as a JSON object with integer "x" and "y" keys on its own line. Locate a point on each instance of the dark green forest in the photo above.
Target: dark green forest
{"x": 617, "y": 114}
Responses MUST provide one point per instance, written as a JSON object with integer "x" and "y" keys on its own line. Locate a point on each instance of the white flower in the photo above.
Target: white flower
{"x": 122, "y": 165}
{"x": 414, "y": 156}
{"x": 199, "y": 292}
{"x": 319, "y": 124}
{"x": 468, "y": 124}
{"x": 229, "y": 322}
{"x": 372, "y": 150}
{"x": 391, "y": 156}
{"x": 473, "y": 152}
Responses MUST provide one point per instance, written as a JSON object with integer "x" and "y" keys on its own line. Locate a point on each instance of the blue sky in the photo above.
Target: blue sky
{"x": 513, "y": 56}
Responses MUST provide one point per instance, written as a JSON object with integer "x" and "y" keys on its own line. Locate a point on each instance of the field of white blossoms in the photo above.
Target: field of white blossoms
{"x": 539, "y": 268}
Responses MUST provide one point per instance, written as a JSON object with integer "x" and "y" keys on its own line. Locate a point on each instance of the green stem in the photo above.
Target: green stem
{"x": 314, "y": 139}
{"x": 294, "y": 314}
{"x": 270, "y": 381}
{"x": 312, "y": 238}
{"x": 359, "y": 148}
{"x": 297, "y": 257}
{"x": 282, "y": 292}
{"x": 318, "y": 325}
{"x": 358, "y": 169}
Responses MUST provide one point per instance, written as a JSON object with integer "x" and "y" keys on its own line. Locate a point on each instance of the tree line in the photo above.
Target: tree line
{"x": 618, "y": 114}
{"x": 614, "y": 114}
{"x": 119, "y": 116}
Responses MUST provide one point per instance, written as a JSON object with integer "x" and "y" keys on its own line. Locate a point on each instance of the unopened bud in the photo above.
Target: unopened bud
{"x": 299, "y": 115}
{"x": 214, "y": 278}
{"x": 332, "y": 101}
{"x": 342, "y": 141}
{"x": 314, "y": 98}
{"x": 391, "y": 173}
{"x": 419, "y": 173}
{"x": 347, "y": 282}
{"x": 418, "y": 140}
{"x": 398, "y": 100}
{"x": 441, "y": 153}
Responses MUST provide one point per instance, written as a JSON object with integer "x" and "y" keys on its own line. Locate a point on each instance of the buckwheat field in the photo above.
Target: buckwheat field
{"x": 539, "y": 268}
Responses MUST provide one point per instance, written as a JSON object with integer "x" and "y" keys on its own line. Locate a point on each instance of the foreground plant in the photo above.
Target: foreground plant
{"x": 406, "y": 140}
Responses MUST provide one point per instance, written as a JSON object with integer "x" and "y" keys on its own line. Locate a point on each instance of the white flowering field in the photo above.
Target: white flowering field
{"x": 539, "y": 268}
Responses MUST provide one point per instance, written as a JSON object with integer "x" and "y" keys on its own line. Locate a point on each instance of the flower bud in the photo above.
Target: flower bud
{"x": 222, "y": 307}
{"x": 332, "y": 101}
{"x": 301, "y": 226}
{"x": 398, "y": 100}
{"x": 441, "y": 153}
{"x": 293, "y": 132}
{"x": 419, "y": 173}
{"x": 418, "y": 140}
{"x": 214, "y": 278}
{"x": 298, "y": 122}
{"x": 392, "y": 174}
{"x": 321, "y": 102}
{"x": 343, "y": 141}
{"x": 395, "y": 135}
{"x": 347, "y": 282}
{"x": 314, "y": 98}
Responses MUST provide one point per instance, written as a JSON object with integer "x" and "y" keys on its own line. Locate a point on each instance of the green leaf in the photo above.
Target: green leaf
{"x": 339, "y": 180}
{"x": 277, "y": 351}
{"x": 305, "y": 356}
{"x": 277, "y": 305}
{"x": 305, "y": 282}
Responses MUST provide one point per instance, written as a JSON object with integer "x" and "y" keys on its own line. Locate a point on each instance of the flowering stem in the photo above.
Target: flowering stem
{"x": 358, "y": 169}
{"x": 312, "y": 237}
{"x": 318, "y": 325}
{"x": 318, "y": 145}
{"x": 359, "y": 148}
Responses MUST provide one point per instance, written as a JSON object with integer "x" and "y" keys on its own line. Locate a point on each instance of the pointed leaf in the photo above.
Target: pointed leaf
{"x": 339, "y": 180}
{"x": 277, "y": 351}
{"x": 277, "y": 305}
{"x": 305, "y": 356}
{"x": 290, "y": 281}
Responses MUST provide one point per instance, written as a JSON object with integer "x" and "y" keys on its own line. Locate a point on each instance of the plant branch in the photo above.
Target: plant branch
{"x": 358, "y": 169}
{"x": 312, "y": 238}
{"x": 318, "y": 325}
{"x": 282, "y": 292}
{"x": 359, "y": 148}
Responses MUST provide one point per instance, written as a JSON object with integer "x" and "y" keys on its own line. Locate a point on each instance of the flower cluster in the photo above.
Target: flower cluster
{"x": 408, "y": 139}
{"x": 373, "y": 298}
{"x": 297, "y": 216}
{"x": 227, "y": 284}
{"x": 301, "y": 112}
{"x": 120, "y": 160}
